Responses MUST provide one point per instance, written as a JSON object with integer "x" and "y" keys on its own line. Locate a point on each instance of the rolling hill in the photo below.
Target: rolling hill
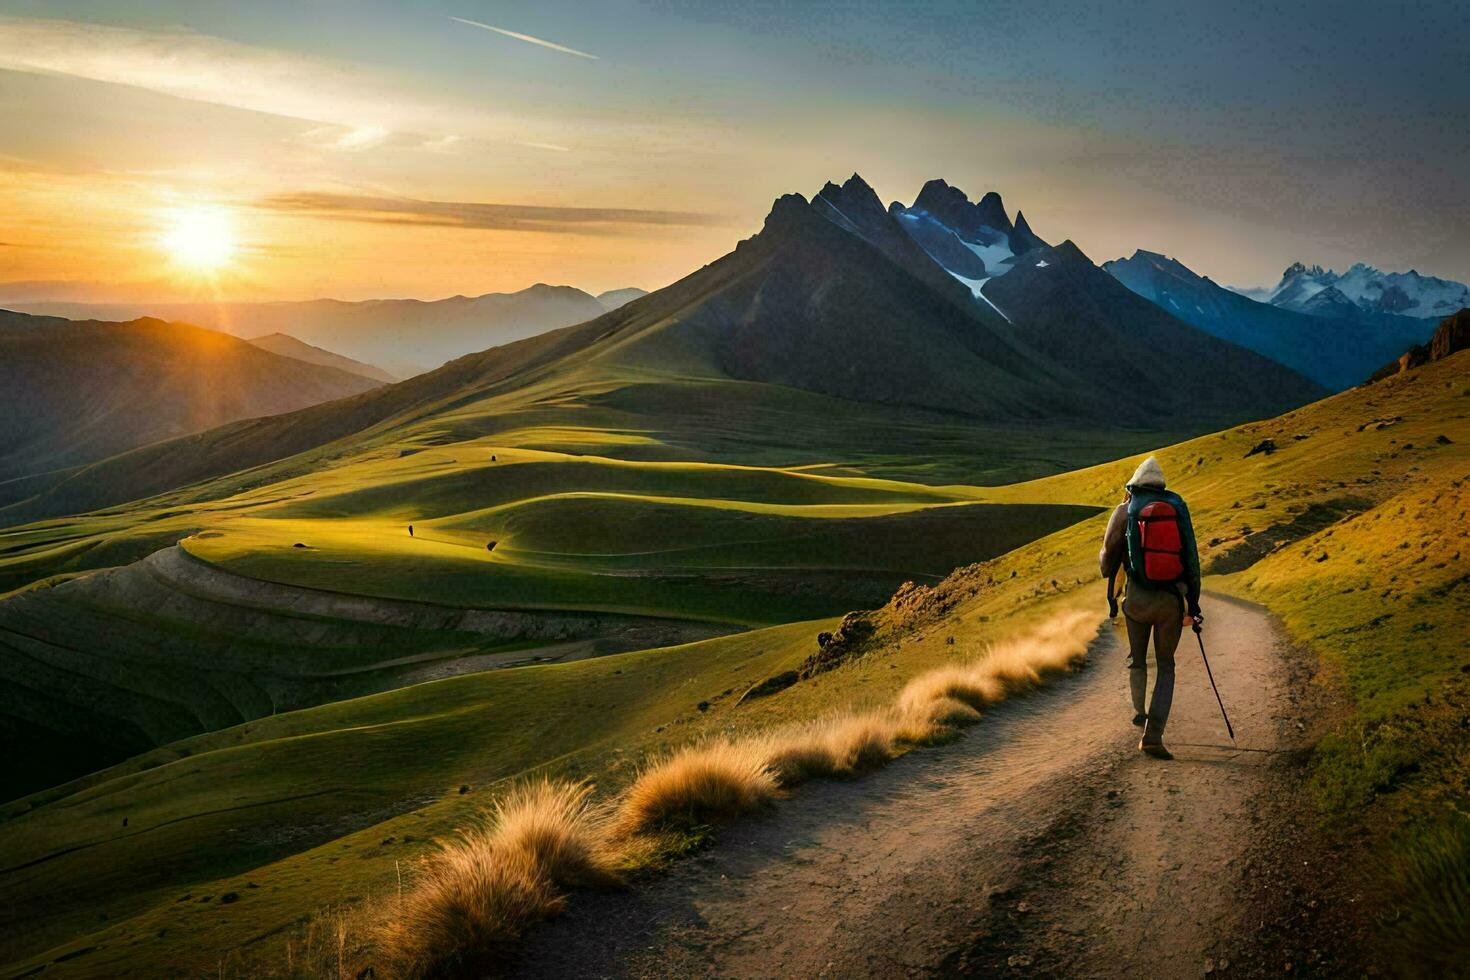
{"x": 1336, "y": 352}
{"x": 614, "y": 298}
{"x": 403, "y": 336}
{"x": 288, "y": 346}
{"x": 78, "y": 391}
{"x": 1346, "y": 530}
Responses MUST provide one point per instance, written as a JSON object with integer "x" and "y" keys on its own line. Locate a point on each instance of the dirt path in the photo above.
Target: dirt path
{"x": 1042, "y": 843}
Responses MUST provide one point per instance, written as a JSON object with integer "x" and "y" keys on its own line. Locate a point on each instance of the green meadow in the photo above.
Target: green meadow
{"x": 1352, "y": 530}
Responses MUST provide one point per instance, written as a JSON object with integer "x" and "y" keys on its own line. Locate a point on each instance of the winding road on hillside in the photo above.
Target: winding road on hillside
{"x": 1041, "y": 843}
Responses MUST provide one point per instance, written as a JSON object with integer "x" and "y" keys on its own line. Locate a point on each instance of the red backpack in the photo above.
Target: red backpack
{"x": 1155, "y": 538}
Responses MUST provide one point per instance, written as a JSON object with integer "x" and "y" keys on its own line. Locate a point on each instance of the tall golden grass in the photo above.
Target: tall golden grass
{"x": 473, "y": 899}
{"x": 696, "y": 785}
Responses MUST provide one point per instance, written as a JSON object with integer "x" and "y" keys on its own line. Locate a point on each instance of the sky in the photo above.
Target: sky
{"x": 365, "y": 149}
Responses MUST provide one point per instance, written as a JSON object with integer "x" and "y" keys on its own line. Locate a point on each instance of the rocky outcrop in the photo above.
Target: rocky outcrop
{"x": 1451, "y": 336}
{"x": 838, "y": 647}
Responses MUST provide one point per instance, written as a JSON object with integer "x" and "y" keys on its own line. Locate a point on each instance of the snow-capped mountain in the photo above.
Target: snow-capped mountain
{"x": 841, "y": 296}
{"x": 974, "y": 242}
{"x": 1328, "y": 338}
{"x": 1323, "y": 292}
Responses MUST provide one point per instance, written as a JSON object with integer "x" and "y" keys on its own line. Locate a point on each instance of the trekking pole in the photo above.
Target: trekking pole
{"x": 1209, "y": 673}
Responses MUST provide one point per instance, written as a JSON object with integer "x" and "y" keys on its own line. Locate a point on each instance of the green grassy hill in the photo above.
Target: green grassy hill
{"x": 591, "y": 555}
{"x": 1352, "y": 529}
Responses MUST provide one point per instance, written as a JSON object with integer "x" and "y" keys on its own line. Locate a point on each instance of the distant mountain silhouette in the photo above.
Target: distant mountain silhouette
{"x": 74, "y": 392}
{"x": 1364, "y": 289}
{"x": 614, "y": 298}
{"x": 1338, "y": 348}
{"x": 402, "y": 336}
{"x": 288, "y": 346}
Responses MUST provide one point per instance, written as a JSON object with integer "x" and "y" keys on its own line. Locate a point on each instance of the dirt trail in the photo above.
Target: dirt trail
{"x": 1042, "y": 843}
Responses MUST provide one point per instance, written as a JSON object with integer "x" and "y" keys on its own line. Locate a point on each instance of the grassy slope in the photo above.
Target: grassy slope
{"x": 311, "y": 793}
{"x": 290, "y": 786}
{"x": 99, "y": 672}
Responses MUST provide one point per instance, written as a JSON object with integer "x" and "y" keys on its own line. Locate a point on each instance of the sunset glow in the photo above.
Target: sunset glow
{"x": 200, "y": 239}
{"x": 493, "y": 134}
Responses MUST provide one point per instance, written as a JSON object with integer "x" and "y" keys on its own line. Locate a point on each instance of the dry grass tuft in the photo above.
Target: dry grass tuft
{"x": 558, "y": 828}
{"x": 837, "y": 747}
{"x": 860, "y": 742}
{"x": 954, "y": 695}
{"x": 970, "y": 685}
{"x": 466, "y": 912}
{"x": 696, "y": 786}
{"x": 472, "y": 900}
{"x": 934, "y": 715}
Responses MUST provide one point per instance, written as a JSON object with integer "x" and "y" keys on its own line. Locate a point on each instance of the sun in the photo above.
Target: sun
{"x": 200, "y": 239}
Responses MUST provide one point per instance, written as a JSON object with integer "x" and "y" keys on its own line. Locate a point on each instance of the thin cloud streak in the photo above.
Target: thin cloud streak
{"x": 528, "y": 38}
{"x": 368, "y": 106}
{"x": 477, "y": 215}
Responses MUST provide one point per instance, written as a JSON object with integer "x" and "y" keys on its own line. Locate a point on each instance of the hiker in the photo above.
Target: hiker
{"x": 410, "y": 530}
{"x": 1151, "y": 538}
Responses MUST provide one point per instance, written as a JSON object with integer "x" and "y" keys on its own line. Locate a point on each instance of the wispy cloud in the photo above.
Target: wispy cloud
{"x": 365, "y": 105}
{"x": 471, "y": 214}
{"x": 348, "y": 138}
{"x": 527, "y": 38}
{"x": 557, "y": 147}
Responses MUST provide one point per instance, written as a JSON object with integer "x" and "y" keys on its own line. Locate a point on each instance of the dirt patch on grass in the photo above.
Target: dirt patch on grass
{"x": 1259, "y": 544}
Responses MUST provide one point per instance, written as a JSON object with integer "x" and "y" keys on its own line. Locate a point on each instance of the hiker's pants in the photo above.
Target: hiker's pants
{"x": 1158, "y": 613}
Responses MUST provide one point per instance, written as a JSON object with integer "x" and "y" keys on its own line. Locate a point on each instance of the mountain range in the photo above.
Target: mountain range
{"x": 1335, "y": 348}
{"x": 836, "y": 309}
{"x": 74, "y": 392}
{"x": 402, "y": 336}
{"x": 1362, "y": 289}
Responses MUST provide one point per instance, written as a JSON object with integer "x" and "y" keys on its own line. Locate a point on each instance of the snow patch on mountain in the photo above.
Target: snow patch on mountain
{"x": 977, "y": 287}
{"x": 1314, "y": 289}
{"x": 994, "y": 254}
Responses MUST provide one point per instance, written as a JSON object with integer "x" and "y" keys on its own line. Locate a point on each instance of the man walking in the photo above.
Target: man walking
{"x": 1150, "y": 535}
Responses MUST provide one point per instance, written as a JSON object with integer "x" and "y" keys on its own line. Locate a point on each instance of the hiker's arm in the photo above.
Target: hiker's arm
{"x": 1191, "y": 564}
{"x": 1115, "y": 546}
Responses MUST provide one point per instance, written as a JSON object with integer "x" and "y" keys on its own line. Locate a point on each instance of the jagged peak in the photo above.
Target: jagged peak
{"x": 937, "y": 196}
{"x": 855, "y": 198}
{"x": 786, "y": 210}
{"x": 1300, "y": 269}
{"x": 1069, "y": 250}
{"x": 1022, "y": 238}
{"x": 992, "y": 211}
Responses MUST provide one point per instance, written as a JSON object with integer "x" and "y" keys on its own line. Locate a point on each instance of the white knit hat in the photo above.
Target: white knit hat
{"x": 1148, "y": 474}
